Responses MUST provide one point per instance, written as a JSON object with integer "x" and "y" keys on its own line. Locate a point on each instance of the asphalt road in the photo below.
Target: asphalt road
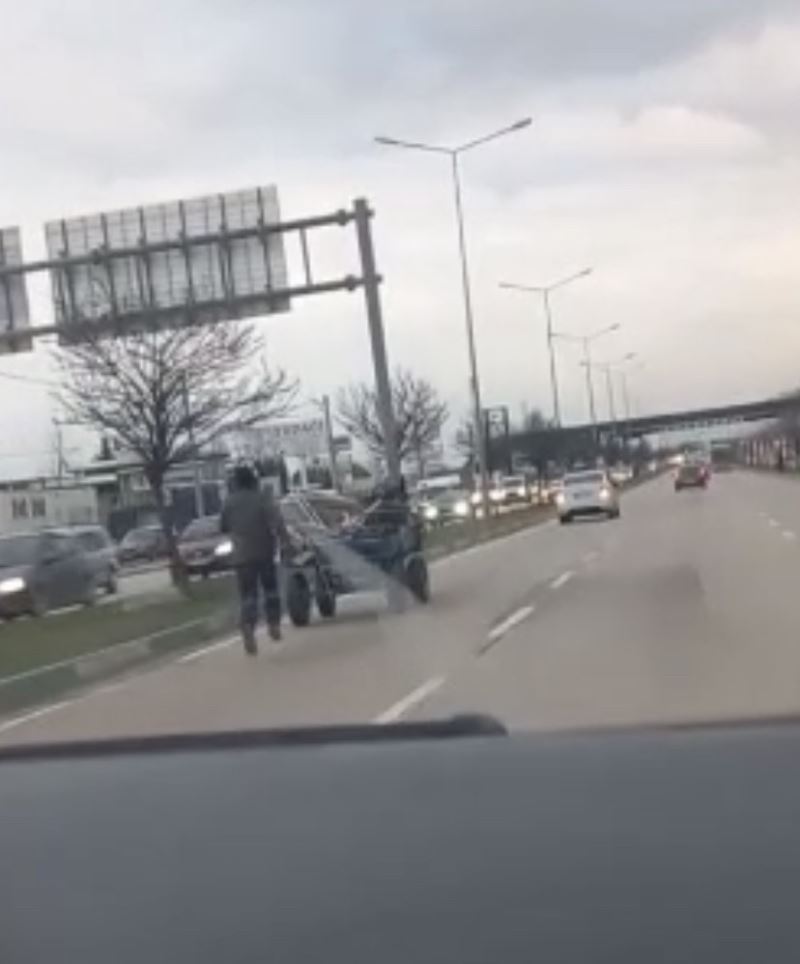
{"x": 687, "y": 608}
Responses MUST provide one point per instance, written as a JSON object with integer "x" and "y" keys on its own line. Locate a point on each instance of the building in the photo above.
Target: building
{"x": 27, "y": 504}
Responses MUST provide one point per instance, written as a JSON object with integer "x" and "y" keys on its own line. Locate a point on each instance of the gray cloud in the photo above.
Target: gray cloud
{"x": 663, "y": 153}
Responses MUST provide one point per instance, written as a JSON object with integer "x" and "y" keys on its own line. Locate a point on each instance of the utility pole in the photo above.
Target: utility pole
{"x": 371, "y": 281}
{"x": 331, "y": 445}
{"x": 199, "y": 500}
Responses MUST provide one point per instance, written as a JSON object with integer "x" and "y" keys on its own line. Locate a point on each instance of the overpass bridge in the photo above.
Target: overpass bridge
{"x": 693, "y": 418}
{"x": 575, "y": 442}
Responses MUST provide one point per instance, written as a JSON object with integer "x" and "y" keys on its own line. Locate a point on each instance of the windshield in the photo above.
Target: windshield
{"x": 201, "y": 529}
{"x": 493, "y": 307}
{"x": 18, "y": 551}
{"x": 138, "y": 537}
{"x": 582, "y": 478}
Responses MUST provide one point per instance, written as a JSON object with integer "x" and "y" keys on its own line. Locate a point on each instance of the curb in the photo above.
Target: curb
{"x": 35, "y": 686}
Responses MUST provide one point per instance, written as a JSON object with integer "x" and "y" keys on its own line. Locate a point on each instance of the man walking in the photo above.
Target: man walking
{"x": 256, "y": 528}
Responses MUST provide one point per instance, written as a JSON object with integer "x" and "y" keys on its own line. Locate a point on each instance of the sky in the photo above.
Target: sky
{"x": 664, "y": 153}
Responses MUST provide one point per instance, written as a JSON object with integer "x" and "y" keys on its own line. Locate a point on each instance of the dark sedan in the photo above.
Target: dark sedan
{"x": 41, "y": 571}
{"x": 691, "y": 475}
{"x": 203, "y": 548}
{"x": 145, "y": 544}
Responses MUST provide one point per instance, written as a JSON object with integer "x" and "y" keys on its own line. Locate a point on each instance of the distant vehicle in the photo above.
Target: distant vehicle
{"x": 102, "y": 555}
{"x": 43, "y": 570}
{"x": 448, "y": 505}
{"x": 620, "y": 474}
{"x": 145, "y": 544}
{"x": 203, "y": 548}
{"x": 692, "y": 474}
{"x": 723, "y": 456}
{"x": 587, "y": 493}
{"x": 511, "y": 490}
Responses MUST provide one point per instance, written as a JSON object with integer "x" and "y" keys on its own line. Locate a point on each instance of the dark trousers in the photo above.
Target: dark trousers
{"x": 250, "y": 576}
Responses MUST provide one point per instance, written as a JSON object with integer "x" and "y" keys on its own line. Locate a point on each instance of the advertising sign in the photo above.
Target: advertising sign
{"x": 195, "y": 261}
{"x": 14, "y": 311}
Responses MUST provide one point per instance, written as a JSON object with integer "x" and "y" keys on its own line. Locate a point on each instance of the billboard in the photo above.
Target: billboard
{"x": 14, "y": 311}
{"x": 195, "y": 261}
{"x": 302, "y": 438}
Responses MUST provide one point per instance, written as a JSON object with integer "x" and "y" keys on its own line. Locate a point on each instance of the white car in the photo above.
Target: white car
{"x": 587, "y": 493}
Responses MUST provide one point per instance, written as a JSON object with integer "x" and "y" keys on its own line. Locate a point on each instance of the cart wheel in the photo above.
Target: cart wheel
{"x": 298, "y": 600}
{"x": 417, "y": 579}
{"x": 326, "y": 603}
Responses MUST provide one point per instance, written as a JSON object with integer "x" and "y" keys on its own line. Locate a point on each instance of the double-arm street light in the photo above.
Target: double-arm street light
{"x": 608, "y": 368}
{"x": 545, "y": 291}
{"x": 454, "y": 153}
{"x": 586, "y": 341}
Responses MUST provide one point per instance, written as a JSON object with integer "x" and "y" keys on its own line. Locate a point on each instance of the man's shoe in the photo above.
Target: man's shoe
{"x": 275, "y": 634}
{"x": 249, "y": 639}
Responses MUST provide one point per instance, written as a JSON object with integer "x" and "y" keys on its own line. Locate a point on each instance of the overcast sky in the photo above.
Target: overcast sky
{"x": 665, "y": 154}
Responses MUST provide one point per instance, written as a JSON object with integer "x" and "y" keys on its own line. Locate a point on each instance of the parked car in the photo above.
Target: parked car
{"x": 587, "y": 493}
{"x": 511, "y": 490}
{"x": 145, "y": 544}
{"x": 102, "y": 555}
{"x": 43, "y": 570}
{"x": 204, "y": 548}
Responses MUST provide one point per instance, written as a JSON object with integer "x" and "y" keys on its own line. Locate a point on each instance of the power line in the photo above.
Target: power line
{"x": 29, "y": 379}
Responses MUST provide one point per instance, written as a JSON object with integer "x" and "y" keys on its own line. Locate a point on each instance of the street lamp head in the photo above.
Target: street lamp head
{"x": 390, "y": 141}
{"x": 520, "y": 124}
{"x": 584, "y": 273}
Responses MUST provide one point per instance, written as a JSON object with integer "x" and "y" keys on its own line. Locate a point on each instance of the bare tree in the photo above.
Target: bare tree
{"x": 419, "y": 416}
{"x": 165, "y": 395}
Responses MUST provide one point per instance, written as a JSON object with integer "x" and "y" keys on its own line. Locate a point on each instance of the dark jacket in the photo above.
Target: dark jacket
{"x": 252, "y": 520}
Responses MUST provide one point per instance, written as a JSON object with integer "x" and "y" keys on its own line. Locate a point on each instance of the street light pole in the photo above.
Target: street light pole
{"x": 474, "y": 381}
{"x": 587, "y": 362}
{"x": 475, "y": 389}
{"x": 551, "y": 351}
{"x": 545, "y": 291}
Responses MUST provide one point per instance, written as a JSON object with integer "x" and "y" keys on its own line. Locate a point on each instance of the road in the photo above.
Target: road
{"x": 687, "y": 608}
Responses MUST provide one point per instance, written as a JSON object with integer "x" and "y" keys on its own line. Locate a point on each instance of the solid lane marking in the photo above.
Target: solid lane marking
{"x": 773, "y": 523}
{"x": 788, "y": 535}
{"x": 205, "y": 650}
{"x": 29, "y": 717}
{"x": 562, "y": 580}
{"x": 414, "y": 698}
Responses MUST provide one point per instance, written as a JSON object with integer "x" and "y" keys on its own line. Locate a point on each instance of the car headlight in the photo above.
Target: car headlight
{"x": 521, "y": 492}
{"x": 560, "y": 498}
{"x": 15, "y": 584}
{"x": 430, "y": 512}
{"x": 223, "y": 548}
{"x": 497, "y": 495}
{"x": 461, "y": 507}
{"x": 476, "y": 498}
{"x": 605, "y": 494}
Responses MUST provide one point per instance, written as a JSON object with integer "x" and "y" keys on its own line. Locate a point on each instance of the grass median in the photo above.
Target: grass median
{"x": 29, "y": 644}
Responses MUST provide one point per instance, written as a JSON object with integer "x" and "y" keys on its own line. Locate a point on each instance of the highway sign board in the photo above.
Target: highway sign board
{"x": 202, "y": 260}
{"x": 14, "y": 311}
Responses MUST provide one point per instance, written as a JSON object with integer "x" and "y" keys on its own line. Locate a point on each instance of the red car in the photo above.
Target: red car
{"x": 691, "y": 475}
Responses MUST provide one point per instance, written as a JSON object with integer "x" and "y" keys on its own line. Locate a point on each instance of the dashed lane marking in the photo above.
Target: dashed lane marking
{"x": 413, "y": 699}
{"x": 562, "y": 580}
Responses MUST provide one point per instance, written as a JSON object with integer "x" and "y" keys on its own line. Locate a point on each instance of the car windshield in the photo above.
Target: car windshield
{"x": 18, "y": 550}
{"x": 584, "y": 478}
{"x": 204, "y": 528}
{"x": 474, "y": 323}
{"x": 138, "y": 537}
